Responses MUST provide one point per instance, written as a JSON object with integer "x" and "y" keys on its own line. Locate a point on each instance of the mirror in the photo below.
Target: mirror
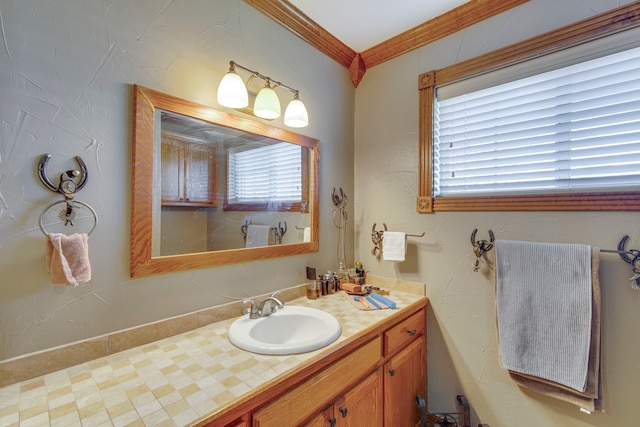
{"x": 211, "y": 188}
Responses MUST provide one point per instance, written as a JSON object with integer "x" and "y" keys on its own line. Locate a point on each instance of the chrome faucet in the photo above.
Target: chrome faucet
{"x": 265, "y": 307}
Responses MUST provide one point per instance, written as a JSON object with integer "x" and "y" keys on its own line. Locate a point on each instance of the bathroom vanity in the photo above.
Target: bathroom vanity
{"x": 371, "y": 378}
{"x": 373, "y": 371}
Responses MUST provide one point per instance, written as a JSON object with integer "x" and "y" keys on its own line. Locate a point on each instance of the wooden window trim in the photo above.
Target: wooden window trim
{"x": 608, "y": 23}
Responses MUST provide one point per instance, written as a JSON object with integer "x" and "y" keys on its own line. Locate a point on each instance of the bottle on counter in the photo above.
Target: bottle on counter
{"x": 312, "y": 289}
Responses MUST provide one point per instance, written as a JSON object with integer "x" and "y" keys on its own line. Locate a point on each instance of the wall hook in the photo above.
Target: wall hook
{"x": 280, "y": 231}
{"x": 480, "y": 246}
{"x": 339, "y": 200}
{"x": 635, "y": 261}
{"x": 376, "y": 238}
{"x": 244, "y": 228}
{"x": 68, "y": 185}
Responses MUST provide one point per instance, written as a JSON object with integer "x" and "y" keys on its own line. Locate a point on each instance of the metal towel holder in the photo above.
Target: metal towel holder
{"x": 630, "y": 256}
{"x": 71, "y": 182}
{"x": 376, "y": 238}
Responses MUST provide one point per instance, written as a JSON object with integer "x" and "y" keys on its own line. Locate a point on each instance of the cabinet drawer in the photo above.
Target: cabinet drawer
{"x": 303, "y": 401}
{"x": 404, "y": 332}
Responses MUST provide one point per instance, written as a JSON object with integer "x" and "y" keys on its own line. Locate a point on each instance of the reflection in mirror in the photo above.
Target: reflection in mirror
{"x": 211, "y": 188}
{"x": 227, "y": 189}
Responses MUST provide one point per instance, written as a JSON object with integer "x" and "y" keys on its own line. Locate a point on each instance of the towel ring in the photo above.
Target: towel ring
{"x": 69, "y": 213}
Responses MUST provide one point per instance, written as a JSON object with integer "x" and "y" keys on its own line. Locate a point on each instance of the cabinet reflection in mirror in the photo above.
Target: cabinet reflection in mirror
{"x": 212, "y": 188}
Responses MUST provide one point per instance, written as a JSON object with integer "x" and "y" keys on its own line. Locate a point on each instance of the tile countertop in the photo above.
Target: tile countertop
{"x": 171, "y": 382}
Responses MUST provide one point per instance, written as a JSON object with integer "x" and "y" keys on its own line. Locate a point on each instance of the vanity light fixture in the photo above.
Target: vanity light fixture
{"x": 232, "y": 93}
{"x": 267, "y": 104}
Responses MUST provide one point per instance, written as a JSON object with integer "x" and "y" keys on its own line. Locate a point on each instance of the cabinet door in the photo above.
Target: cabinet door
{"x": 172, "y": 171}
{"x": 325, "y": 418}
{"x": 405, "y": 377}
{"x": 199, "y": 174}
{"x": 362, "y": 405}
{"x": 302, "y": 402}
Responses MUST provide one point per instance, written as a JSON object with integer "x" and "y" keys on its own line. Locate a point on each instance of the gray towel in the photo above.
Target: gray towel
{"x": 544, "y": 304}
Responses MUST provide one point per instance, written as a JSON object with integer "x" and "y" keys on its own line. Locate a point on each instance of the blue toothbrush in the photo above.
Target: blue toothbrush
{"x": 385, "y": 301}
{"x": 373, "y": 302}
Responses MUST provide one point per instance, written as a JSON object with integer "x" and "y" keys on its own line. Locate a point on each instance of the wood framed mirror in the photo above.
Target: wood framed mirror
{"x": 190, "y": 205}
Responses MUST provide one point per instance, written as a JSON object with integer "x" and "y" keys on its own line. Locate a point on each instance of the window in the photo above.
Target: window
{"x": 572, "y": 129}
{"x": 559, "y": 131}
{"x": 266, "y": 177}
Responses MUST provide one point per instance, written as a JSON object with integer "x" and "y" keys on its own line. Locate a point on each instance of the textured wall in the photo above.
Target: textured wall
{"x": 463, "y": 351}
{"x": 66, "y": 74}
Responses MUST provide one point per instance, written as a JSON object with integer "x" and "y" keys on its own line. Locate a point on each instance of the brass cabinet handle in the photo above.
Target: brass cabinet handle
{"x": 412, "y": 332}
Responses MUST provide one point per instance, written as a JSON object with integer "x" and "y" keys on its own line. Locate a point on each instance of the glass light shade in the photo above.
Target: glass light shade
{"x": 232, "y": 92}
{"x": 295, "y": 115}
{"x": 267, "y": 104}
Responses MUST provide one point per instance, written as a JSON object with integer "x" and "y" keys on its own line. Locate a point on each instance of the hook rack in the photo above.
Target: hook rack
{"x": 481, "y": 246}
{"x": 278, "y": 231}
{"x": 634, "y": 262}
{"x": 630, "y": 256}
{"x": 377, "y": 236}
{"x": 71, "y": 182}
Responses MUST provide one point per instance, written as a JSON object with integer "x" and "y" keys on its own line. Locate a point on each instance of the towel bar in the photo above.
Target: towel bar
{"x": 630, "y": 256}
{"x": 68, "y": 214}
{"x": 376, "y": 238}
{"x": 278, "y": 231}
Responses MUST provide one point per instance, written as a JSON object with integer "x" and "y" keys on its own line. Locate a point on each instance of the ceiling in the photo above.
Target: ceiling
{"x": 361, "y": 24}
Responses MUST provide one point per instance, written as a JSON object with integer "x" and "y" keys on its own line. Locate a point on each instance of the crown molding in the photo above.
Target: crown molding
{"x": 294, "y": 20}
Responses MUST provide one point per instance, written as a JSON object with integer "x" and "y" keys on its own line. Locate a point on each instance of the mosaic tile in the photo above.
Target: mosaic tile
{"x": 72, "y": 419}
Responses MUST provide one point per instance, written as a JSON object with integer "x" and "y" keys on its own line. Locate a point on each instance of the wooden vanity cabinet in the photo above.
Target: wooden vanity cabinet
{"x": 188, "y": 173}
{"x": 405, "y": 377}
{"x": 241, "y": 423}
{"x": 303, "y": 402}
{"x": 360, "y": 406}
{"x": 369, "y": 381}
{"x": 405, "y": 372}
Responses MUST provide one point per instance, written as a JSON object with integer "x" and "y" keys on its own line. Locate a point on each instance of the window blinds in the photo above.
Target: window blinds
{"x": 572, "y": 129}
{"x": 271, "y": 173}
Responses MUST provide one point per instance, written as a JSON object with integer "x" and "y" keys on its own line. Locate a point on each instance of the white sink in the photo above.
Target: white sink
{"x": 290, "y": 330}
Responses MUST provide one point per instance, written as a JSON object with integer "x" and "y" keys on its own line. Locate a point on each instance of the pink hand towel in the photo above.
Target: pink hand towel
{"x": 68, "y": 259}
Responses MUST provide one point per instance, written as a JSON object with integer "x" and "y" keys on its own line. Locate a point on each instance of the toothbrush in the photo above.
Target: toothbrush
{"x": 363, "y": 302}
{"x": 385, "y": 301}
{"x": 373, "y": 302}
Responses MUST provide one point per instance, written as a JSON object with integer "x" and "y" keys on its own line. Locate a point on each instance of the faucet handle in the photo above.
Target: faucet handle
{"x": 277, "y": 300}
{"x": 280, "y": 302}
{"x": 253, "y": 310}
{"x": 273, "y": 295}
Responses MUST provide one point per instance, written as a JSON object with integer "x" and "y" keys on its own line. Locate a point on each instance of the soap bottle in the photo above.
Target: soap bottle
{"x": 330, "y": 282}
{"x": 342, "y": 272}
{"x": 312, "y": 289}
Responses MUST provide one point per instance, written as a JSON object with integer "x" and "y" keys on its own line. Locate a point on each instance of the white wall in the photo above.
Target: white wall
{"x": 463, "y": 351}
{"x": 66, "y": 74}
